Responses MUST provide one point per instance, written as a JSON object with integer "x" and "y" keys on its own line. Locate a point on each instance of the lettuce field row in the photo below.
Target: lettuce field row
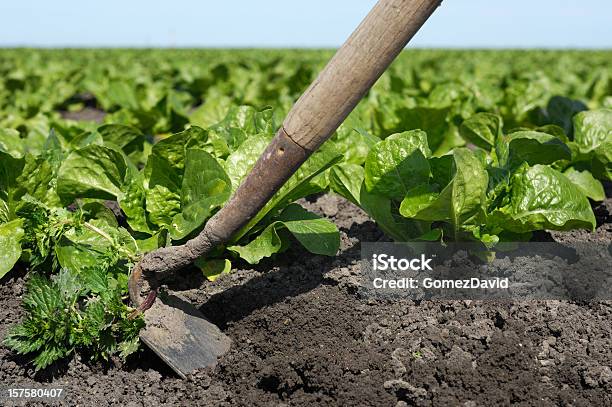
{"x": 107, "y": 155}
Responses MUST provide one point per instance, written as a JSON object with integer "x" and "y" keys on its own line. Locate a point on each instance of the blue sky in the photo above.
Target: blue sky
{"x": 309, "y": 23}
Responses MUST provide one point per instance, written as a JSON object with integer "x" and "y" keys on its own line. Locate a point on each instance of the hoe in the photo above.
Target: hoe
{"x": 175, "y": 330}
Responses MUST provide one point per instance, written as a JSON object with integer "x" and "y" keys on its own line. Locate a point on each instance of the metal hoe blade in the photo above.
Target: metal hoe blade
{"x": 181, "y": 336}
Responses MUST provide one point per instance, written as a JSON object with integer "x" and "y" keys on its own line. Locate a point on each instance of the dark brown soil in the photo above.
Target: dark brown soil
{"x": 87, "y": 114}
{"x": 303, "y": 336}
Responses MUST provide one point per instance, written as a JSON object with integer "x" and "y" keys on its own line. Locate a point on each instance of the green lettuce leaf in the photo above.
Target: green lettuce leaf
{"x": 317, "y": 235}
{"x": 353, "y": 140}
{"x": 531, "y": 147}
{"x": 91, "y": 172}
{"x": 584, "y": 180}
{"x": 205, "y": 187}
{"x": 212, "y": 111}
{"x": 241, "y": 122}
{"x": 482, "y": 129}
{"x": 397, "y": 164}
{"x": 418, "y": 199}
{"x": 461, "y": 203}
{"x": 593, "y": 137}
{"x": 133, "y": 201}
{"x": 10, "y": 170}
{"x": 386, "y": 214}
{"x": 239, "y": 163}
{"x": 264, "y": 245}
{"x": 213, "y": 268}
{"x": 11, "y": 234}
{"x": 182, "y": 185}
{"x": 560, "y": 111}
{"x": 28, "y": 175}
{"x": 11, "y": 143}
{"x": 129, "y": 139}
{"x": 346, "y": 179}
{"x": 542, "y": 198}
{"x": 162, "y": 190}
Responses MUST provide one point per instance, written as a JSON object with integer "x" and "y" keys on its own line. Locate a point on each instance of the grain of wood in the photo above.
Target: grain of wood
{"x": 353, "y": 70}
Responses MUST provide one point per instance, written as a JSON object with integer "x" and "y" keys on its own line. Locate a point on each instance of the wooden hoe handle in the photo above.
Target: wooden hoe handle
{"x": 324, "y": 105}
{"x": 313, "y": 119}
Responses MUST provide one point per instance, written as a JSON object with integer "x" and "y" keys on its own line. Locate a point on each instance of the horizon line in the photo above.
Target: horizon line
{"x": 298, "y": 47}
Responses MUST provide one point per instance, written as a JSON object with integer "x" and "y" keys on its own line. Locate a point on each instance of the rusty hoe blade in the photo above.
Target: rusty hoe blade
{"x": 176, "y": 331}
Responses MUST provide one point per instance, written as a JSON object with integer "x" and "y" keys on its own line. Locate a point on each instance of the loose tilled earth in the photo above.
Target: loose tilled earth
{"x": 302, "y": 335}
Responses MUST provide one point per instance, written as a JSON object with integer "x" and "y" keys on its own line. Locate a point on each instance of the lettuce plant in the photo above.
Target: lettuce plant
{"x": 55, "y": 216}
{"x": 504, "y": 188}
